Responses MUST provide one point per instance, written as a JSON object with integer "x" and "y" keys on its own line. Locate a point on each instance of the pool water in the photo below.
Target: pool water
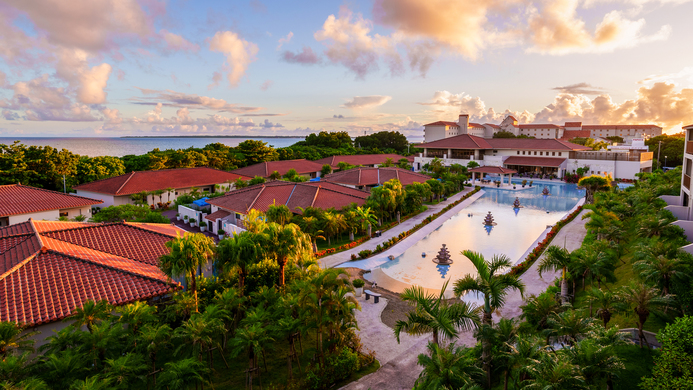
{"x": 515, "y": 231}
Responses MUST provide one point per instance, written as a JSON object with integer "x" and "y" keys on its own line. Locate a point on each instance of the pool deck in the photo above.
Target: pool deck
{"x": 345, "y": 256}
{"x": 401, "y": 371}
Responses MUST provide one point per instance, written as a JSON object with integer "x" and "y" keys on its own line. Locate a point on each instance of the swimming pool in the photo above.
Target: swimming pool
{"x": 515, "y": 231}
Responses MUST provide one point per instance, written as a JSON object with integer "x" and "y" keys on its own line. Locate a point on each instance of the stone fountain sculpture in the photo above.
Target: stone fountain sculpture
{"x": 443, "y": 257}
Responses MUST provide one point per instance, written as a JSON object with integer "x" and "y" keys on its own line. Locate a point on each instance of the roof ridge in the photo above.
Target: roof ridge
{"x": 36, "y": 232}
{"x": 91, "y": 225}
{"x": 126, "y": 182}
{"x": 256, "y": 197}
{"x": 19, "y": 265}
{"x": 315, "y": 196}
{"x": 56, "y": 192}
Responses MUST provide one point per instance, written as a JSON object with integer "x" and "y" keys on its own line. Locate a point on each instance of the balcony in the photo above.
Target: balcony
{"x": 612, "y": 156}
{"x": 687, "y": 181}
{"x": 689, "y": 147}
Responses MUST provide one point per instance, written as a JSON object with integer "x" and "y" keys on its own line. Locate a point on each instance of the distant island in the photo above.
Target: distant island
{"x": 213, "y": 136}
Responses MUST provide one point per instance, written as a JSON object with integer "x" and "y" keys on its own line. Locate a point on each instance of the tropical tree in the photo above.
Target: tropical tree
{"x": 495, "y": 288}
{"x": 285, "y": 243}
{"x": 592, "y": 184}
{"x": 568, "y": 326}
{"x": 256, "y": 180}
{"x": 311, "y": 226}
{"x": 333, "y": 224}
{"x": 389, "y": 162}
{"x": 325, "y": 170}
{"x": 448, "y": 367}
{"x": 366, "y": 217}
{"x": 643, "y": 300}
{"x": 200, "y": 332}
{"x": 240, "y": 183}
{"x": 90, "y": 313}
{"x": 251, "y": 339}
{"x": 433, "y": 314}
{"x": 537, "y": 309}
{"x": 125, "y": 371}
{"x": 169, "y": 191}
{"x": 607, "y": 302}
{"x": 520, "y": 356}
{"x": 239, "y": 251}
{"x": 188, "y": 254}
{"x": 279, "y": 214}
{"x": 153, "y": 339}
{"x": 275, "y": 175}
{"x": 13, "y": 337}
{"x": 553, "y": 371}
{"x": 137, "y": 314}
{"x": 437, "y": 188}
{"x": 661, "y": 270}
{"x": 597, "y": 363}
{"x": 556, "y": 258}
{"x": 180, "y": 374}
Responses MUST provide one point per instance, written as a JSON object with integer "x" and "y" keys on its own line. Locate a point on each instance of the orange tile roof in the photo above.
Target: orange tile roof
{"x": 293, "y": 195}
{"x": 534, "y": 161}
{"x": 375, "y": 176}
{"x": 47, "y": 269}
{"x": 217, "y": 214}
{"x": 539, "y": 126}
{"x": 264, "y": 169}
{"x": 573, "y": 124}
{"x": 619, "y": 127}
{"x": 442, "y": 123}
{"x": 138, "y": 181}
{"x": 360, "y": 159}
{"x": 20, "y": 199}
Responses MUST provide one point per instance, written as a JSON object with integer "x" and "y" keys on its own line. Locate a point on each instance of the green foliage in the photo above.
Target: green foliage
{"x": 358, "y": 283}
{"x": 337, "y": 368}
{"x": 256, "y": 180}
{"x": 673, "y": 369}
{"x": 326, "y": 170}
{"x": 672, "y": 147}
{"x": 334, "y": 140}
{"x": 130, "y": 213}
{"x": 389, "y": 141}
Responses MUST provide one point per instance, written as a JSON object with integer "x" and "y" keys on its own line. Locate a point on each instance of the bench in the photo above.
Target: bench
{"x": 376, "y": 296}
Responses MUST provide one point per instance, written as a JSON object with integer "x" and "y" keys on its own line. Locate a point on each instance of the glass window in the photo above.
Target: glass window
{"x": 535, "y": 152}
{"x": 523, "y": 152}
{"x": 690, "y": 134}
{"x": 559, "y": 153}
{"x": 553, "y": 153}
{"x": 518, "y": 152}
{"x": 689, "y": 164}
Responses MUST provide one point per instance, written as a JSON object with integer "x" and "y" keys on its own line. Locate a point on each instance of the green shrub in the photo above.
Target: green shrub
{"x": 365, "y": 253}
{"x": 337, "y": 368}
{"x": 358, "y": 283}
{"x": 673, "y": 369}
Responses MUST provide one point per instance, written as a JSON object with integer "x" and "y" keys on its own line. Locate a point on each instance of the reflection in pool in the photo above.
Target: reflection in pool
{"x": 514, "y": 232}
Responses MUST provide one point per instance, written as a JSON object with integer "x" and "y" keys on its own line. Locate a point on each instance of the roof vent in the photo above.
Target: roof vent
{"x": 44, "y": 249}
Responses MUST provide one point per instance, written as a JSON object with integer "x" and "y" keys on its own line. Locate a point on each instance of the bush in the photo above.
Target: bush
{"x": 365, "y": 253}
{"x": 353, "y": 257}
{"x": 358, "y": 283}
{"x": 673, "y": 369}
{"x": 337, "y": 368}
{"x": 129, "y": 212}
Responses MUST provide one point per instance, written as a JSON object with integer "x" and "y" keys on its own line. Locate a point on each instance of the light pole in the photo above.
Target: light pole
{"x": 659, "y": 152}
{"x": 665, "y": 161}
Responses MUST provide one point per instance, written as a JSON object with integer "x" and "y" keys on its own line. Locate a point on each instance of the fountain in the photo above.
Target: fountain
{"x": 545, "y": 191}
{"x": 443, "y": 257}
{"x": 516, "y": 203}
{"x": 488, "y": 220}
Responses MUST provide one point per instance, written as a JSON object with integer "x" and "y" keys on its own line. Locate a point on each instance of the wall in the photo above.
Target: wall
{"x": 433, "y": 133}
{"x": 107, "y": 199}
{"x": 46, "y": 331}
{"x": 50, "y": 215}
{"x": 687, "y": 227}
{"x": 679, "y": 212}
{"x": 191, "y": 213}
{"x": 628, "y": 169}
{"x": 72, "y": 213}
{"x": 671, "y": 200}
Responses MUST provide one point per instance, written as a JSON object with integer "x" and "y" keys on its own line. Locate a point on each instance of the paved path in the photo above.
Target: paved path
{"x": 401, "y": 371}
{"x": 341, "y": 257}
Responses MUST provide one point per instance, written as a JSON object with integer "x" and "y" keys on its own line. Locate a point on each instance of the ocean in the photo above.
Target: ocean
{"x": 119, "y": 147}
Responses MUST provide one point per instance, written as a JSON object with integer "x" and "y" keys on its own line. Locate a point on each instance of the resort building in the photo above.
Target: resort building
{"x": 50, "y": 268}
{"x": 162, "y": 186}
{"x": 303, "y": 167}
{"x": 19, "y": 203}
{"x": 537, "y": 157}
{"x": 441, "y": 129}
{"x": 228, "y": 211}
{"x": 366, "y": 160}
{"x": 367, "y": 178}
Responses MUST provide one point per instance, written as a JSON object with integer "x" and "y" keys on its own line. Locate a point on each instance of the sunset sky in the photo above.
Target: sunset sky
{"x": 109, "y": 68}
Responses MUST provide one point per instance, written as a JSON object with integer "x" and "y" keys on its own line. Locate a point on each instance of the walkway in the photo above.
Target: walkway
{"x": 401, "y": 372}
{"x": 341, "y": 257}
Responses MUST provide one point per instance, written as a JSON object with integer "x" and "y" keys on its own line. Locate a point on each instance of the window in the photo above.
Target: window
{"x": 63, "y": 213}
{"x": 535, "y": 152}
{"x": 518, "y": 152}
{"x": 553, "y": 153}
{"x": 690, "y": 134}
{"x": 176, "y": 193}
{"x": 541, "y": 153}
{"x": 238, "y": 216}
{"x": 523, "y": 152}
{"x": 559, "y": 153}
{"x": 689, "y": 164}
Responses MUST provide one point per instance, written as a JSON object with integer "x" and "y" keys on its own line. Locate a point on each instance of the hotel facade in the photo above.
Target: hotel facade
{"x": 549, "y": 153}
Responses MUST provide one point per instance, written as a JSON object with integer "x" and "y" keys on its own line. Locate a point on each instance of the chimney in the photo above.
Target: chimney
{"x": 463, "y": 123}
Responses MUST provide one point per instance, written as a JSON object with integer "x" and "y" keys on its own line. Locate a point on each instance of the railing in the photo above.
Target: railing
{"x": 613, "y": 156}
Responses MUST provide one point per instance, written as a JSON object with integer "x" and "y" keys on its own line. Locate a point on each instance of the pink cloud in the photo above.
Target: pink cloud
{"x": 305, "y": 57}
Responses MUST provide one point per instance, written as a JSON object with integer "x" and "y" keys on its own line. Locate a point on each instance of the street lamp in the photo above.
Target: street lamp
{"x": 665, "y": 161}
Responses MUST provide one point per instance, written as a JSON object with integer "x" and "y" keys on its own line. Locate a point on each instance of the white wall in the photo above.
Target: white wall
{"x": 687, "y": 227}
{"x": 628, "y": 169}
{"x": 50, "y": 215}
{"x": 433, "y": 133}
{"x": 671, "y": 200}
{"x": 679, "y": 212}
{"x": 107, "y": 199}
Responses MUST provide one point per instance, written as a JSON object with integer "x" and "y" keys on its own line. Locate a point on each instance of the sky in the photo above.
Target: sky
{"x": 111, "y": 68}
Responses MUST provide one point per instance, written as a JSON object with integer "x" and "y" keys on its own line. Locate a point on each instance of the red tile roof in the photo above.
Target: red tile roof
{"x": 533, "y": 144}
{"x": 442, "y": 123}
{"x": 217, "y": 214}
{"x": 534, "y": 161}
{"x": 375, "y": 176}
{"x": 539, "y": 126}
{"x": 19, "y": 199}
{"x": 476, "y": 125}
{"x": 619, "y": 127}
{"x": 138, "y": 181}
{"x": 490, "y": 169}
{"x": 570, "y": 134}
{"x": 360, "y": 159}
{"x": 47, "y": 269}
{"x": 462, "y": 141}
{"x": 293, "y": 195}
{"x": 264, "y": 169}
{"x": 573, "y": 124}
{"x": 688, "y": 127}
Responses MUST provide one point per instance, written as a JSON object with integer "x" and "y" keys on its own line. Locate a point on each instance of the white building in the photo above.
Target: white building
{"x": 441, "y": 129}
{"x": 19, "y": 203}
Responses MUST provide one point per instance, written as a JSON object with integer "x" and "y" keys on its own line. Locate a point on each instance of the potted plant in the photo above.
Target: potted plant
{"x": 221, "y": 233}
{"x": 530, "y": 182}
{"x": 203, "y": 228}
{"x": 358, "y": 287}
{"x": 185, "y": 218}
{"x": 498, "y": 183}
{"x": 178, "y": 217}
{"x": 524, "y": 183}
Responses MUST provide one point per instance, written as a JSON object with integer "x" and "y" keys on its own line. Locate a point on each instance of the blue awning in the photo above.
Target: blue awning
{"x": 316, "y": 179}
{"x": 201, "y": 202}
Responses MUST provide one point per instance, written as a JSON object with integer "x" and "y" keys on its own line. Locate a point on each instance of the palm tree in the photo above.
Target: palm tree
{"x": 570, "y": 324}
{"x": 232, "y": 301}
{"x": 388, "y": 162}
{"x": 553, "y": 371}
{"x": 447, "y": 367}
{"x": 607, "y": 303}
{"x": 644, "y": 300}
{"x": 537, "y": 309}
{"x": 598, "y": 363}
{"x": 595, "y": 260}
{"x": 180, "y": 374}
{"x": 14, "y": 338}
{"x": 90, "y": 313}
{"x": 137, "y": 314}
{"x": 653, "y": 225}
{"x": 279, "y": 214}
{"x": 494, "y": 287}
{"x": 240, "y": 183}
{"x": 154, "y": 338}
{"x": 95, "y": 382}
{"x": 251, "y": 339}
{"x": 520, "y": 356}
{"x": 160, "y": 194}
{"x": 366, "y": 217}
{"x": 62, "y": 368}
{"x": 125, "y": 371}
{"x": 333, "y": 224}
{"x": 239, "y": 251}
{"x": 199, "y": 331}
{"x": 285, "y": 243}
{"x": 592, "y": 184}
{"x": 188, "y": 254}
{"x": 311, "y": 226}
{"x": 169, "y": 191}
{"x": 433, "y": 314}
{"x": 661, "y": 270}
{"x": 275, "y": 175}
{"x": 557, "y": 258}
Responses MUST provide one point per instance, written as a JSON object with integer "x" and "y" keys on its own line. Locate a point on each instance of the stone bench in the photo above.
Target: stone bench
{"x": 376, "y": 296}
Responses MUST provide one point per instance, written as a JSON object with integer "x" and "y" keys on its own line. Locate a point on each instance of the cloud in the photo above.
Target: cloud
{"x": 350, "y": 43}
{"x": 366, "y": 102}
{"x": 239, "y": 54}
{"x": 685, "y": 75}
{"x": 556, "y": 29}
{"x": 175, "y": 42}
{"x": 264, "y": 115}
{"x": 662, "y": 104}
{"x": 285, "y": 39}
{"x": 266, "y": 85}
{"x": 406, "y": 126}
{"x": 338, "y": 116}
{"x": 580, "y": 89}
{"x": 180, "y": 99}
{"x": 306, "y": 57}
{"x": 258, "y": 6}
{"x": 10, "y": 115}
{"x": 269, "y": 125}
